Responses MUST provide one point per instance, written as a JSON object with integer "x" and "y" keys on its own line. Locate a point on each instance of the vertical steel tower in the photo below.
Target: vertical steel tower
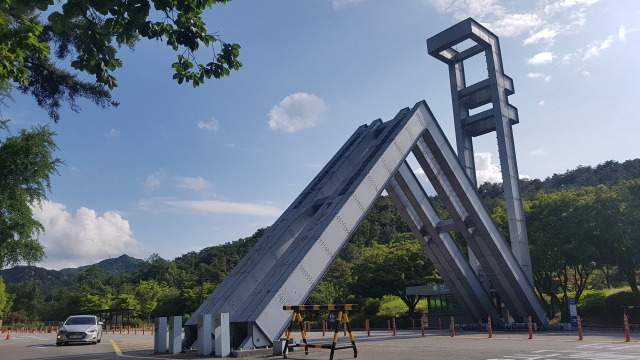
{"x": 492, "y": 91}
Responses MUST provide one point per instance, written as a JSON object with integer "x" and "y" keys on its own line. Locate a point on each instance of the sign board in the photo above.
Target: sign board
{"x": 428, "y": 290}
{"x": 573, "y": 312}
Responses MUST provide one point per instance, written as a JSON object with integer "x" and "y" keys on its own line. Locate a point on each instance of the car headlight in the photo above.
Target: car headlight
{"x": 62, "y": 332}
{"x": 92, "y": 331}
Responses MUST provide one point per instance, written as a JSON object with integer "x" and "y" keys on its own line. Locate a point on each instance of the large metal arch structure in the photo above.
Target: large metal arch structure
{"x": 291, "y": 258}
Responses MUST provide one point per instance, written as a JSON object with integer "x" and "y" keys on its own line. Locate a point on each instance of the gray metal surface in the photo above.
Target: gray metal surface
{"x": 454, "y": 187}
{"x": 412, "y": 202}
{"x": 494, "y": 91}
{"x": 291, "y": 258}
{"x": 237, "y": 286}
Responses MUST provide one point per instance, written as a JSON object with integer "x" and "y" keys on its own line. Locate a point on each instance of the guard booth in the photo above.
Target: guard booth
{"x": 440, "y": 303}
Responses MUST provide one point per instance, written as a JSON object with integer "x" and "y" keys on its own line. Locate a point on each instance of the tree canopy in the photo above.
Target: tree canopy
{"x": 26, "y": 166}
{"x": 88, "y": 33}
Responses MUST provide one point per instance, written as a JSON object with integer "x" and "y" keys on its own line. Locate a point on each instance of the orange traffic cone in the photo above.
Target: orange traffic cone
{"x": 8, "y": 336}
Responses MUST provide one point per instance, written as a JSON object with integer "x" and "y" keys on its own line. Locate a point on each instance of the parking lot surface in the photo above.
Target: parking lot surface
{"x": 436, "y": 344}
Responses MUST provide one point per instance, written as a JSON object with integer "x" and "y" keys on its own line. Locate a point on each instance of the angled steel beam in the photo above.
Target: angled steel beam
{"x": 273, "y": 244}
{"x": 294, "y": 254}
{"x": 294, "y": 276}
{"x": 437, "y": 158}
{"x": 413, "y": 203}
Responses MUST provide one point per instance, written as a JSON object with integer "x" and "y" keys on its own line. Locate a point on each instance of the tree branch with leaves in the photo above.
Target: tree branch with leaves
{"x": 90, "y": 32}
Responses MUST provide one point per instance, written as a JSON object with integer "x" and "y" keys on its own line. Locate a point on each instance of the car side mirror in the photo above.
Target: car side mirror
{"x": 100, "y": 323}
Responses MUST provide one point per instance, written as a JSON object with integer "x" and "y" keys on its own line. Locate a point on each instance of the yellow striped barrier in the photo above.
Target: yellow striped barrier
{"x": 342, "y": 316}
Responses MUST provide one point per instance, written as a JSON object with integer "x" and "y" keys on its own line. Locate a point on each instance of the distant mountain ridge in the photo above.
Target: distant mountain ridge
{"x": 54, "y": 279}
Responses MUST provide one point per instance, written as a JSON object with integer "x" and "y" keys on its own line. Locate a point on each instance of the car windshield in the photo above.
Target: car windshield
{"x": 81, "y": 320}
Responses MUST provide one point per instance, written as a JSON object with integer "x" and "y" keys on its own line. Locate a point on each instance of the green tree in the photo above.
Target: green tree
{"x": 325, "y": 293}
{"x": 615, "y": 218}
{"x": 334, "y": 287}
{"x": 26, "y": 166}
{"x": 389, "y": 269}
{"x": 563, "y": 243}
{"x": 94, "y": 302}
{"x": 89, "y": 33}
{"x": 92, "y": 289}
{"x": 191, "y": 296}
{"x": 147, "y": 294}
{"x": 28, "y": 298}
{"x": 126, "y": 301}
{"x": 3, "y": 297}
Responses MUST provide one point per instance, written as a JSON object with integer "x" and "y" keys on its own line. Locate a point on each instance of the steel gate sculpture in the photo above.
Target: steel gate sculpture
{"x": 291, "y": 258}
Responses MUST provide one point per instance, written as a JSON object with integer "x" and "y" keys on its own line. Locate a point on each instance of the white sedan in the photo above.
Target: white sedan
{"x": 80, "y": 329}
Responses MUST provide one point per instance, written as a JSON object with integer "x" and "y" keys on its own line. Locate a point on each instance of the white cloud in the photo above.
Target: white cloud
{"x": 485, "y": 170}
{"x": 224, "y": 207}
{"x": 113, "y": 132}
{"x": 463, "y": 9}
{"x": 537, "y": 75}
{"x": 543, "y": 21}
{"x": 213, "y": 125}
{"x": 341, "y": 4}
{"x": 541, "y": 58}
{"x": 622, "y": 33}
{"x": 562, "y": 5}
{"x": 538, "y": 152}
{"x": 541, "y": 102}
{"x": 198, "y": 184}
{"x": 546, "y": 34}
{"x": 512, "y": 25}
{"x": 296, "y": 112}
{"x": 153, "y": 181}
{"x": 595, "y": 48}
{"x": 83, "y": 238}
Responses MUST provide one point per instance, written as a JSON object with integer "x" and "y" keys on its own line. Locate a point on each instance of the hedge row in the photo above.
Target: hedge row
{"x": 598, "y": 302}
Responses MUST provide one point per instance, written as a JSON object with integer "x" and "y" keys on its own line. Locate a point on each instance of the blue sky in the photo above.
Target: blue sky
{"x": 175, "y": 169}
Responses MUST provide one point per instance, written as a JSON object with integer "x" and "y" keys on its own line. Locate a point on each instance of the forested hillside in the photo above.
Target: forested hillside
{"x": 583, "y": 231}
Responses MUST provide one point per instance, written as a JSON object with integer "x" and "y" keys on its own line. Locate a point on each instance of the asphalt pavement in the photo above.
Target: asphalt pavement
{"x": 436, "y": 344}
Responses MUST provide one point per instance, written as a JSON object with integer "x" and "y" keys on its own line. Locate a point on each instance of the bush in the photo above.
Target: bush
{"x": 591, "y": 303}
{"x": 15, "y": 319}
{"x": 622, "y": 298}
{"x": 371, "y": 307}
